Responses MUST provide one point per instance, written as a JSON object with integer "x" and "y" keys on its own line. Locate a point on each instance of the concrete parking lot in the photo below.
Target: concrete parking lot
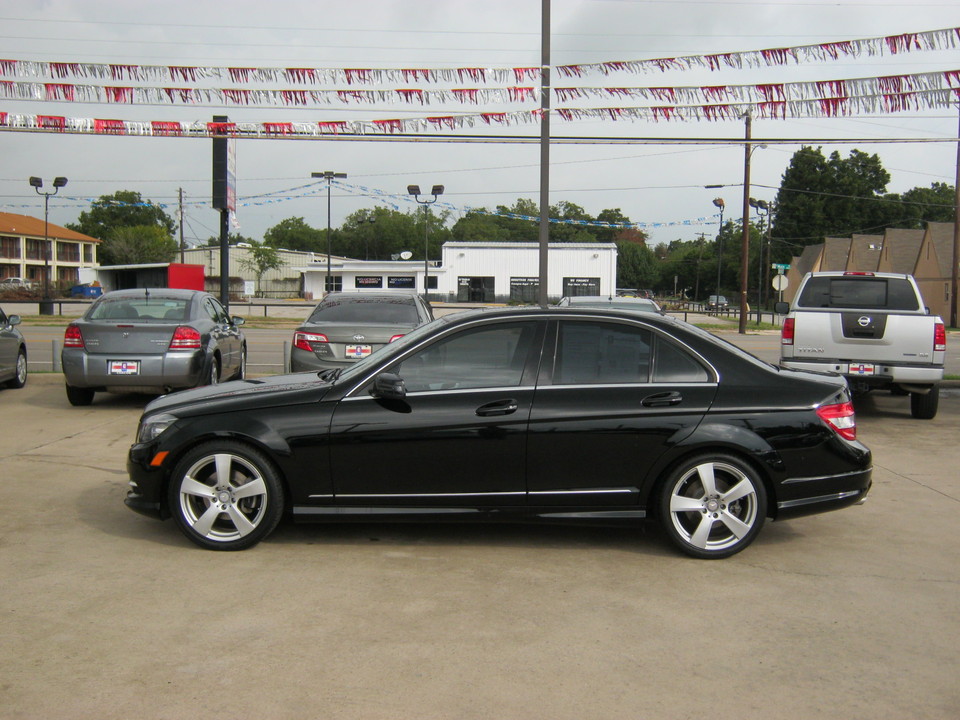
{"x": 107, "y": 614}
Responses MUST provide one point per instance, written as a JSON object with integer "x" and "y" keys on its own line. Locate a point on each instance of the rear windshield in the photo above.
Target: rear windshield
{"x": 366, "y": 310}
{"x": 860, "y": 292}
{"x": 140, "y": 308}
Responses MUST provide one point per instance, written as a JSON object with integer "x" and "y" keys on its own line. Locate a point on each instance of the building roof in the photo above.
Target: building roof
{"x": 864, "y": 253}
{"x": 24, "y": 225}
{"x": 942, "y": 236}
{"x": 836, "y": 252}
{"x": 901, "y": 249}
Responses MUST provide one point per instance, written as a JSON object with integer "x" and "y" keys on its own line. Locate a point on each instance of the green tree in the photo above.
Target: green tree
{"x": 260, "y": 259}
{"x": 130, "y": 245}
{"x": 637, "y": 266}
{"x": 232, "y": 239}
{"x": 294, "y": 234}
{"x": 921, "y": 205}
{"x": 833, "y": 196}
{"x": 124, "y": 208}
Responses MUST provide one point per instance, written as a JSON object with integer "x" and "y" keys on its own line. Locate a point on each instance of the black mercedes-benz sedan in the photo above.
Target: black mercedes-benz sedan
{"x": 555, "y": 414}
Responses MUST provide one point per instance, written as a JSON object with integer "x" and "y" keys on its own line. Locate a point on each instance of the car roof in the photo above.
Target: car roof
{"x": 153, "y": 292}
{"x": 370, "y": 296}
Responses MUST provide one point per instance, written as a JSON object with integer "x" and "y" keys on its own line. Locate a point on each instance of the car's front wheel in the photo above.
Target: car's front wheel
{"x": 20, "y": 379}
{"x": 214, "y": 377}
{"x": 713, "y": 506}
{"x": 225, "y": 495}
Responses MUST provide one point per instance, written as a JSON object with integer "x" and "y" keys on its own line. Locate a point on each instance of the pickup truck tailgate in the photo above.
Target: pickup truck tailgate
{"x": 864, "y": 337}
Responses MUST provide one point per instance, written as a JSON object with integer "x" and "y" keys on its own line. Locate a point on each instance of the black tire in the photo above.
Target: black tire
{"x": 242, "y": 371}
{"x": 20, "y": 379}
{"x": 713, "y": 505}
{"x": 232, "y": 513}
{"x": 79, "y": 396}
{"x": 924, "y": 406}
{"x": 213, "y": 377}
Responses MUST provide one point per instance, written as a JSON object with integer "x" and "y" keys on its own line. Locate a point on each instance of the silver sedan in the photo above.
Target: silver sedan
{"x": 151, "y": 341}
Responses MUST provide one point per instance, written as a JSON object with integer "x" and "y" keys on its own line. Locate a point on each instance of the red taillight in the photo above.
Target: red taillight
{"x": 395, "y": 337}
{"x": 786, "y": 332}
{"x": 185, "y": 338}
{"x": 302, "y": 340}
{"x": 851, "y": 272}
{"x": 840, "y": 418}
{"x": 939, "y": 337}
{"x": 73, "y": 337}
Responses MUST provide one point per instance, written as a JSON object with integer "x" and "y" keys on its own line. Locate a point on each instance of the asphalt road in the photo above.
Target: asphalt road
{"x": 107, "y": 614}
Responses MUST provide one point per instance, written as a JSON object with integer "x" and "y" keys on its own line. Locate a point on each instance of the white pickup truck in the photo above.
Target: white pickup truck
{"x": 871, "y": 328}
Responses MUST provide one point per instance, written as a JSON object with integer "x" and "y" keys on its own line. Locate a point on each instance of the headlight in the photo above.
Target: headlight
{"x": 152, "y": 426}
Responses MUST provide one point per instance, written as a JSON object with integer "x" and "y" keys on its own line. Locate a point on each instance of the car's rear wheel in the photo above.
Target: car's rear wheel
{"x": 20, "y": 379}
{"x": 79, "y": 396}
{"x": 242, "y": 372}
{"x": 214, "y": 377}
{"x": 225, "y": 496}
{"x": 924, "y": 406}
{"x": 713, "y": 506}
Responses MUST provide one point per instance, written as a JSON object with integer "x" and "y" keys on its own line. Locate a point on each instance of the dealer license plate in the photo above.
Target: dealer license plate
{"x": 862, "y": 369}
{"x": 356, "y": 352}
{"x": 124, "y": 367}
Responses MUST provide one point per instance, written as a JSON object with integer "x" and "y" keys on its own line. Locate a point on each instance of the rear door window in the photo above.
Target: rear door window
{"x": 861, "y": 292}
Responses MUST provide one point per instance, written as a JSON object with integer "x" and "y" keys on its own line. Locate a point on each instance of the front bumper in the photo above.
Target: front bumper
{"x": 147, "y": 482}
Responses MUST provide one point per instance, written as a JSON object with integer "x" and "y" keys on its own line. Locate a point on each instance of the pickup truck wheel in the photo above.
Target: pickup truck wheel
{"x": 924, "y": 406}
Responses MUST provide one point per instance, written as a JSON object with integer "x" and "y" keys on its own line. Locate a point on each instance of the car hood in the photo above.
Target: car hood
{"x": 294, "y": 389}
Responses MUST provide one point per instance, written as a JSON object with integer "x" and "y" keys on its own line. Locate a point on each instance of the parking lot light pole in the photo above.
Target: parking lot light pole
{"x": 328, "y": 175}
{"x": 763, "y": 210}
{"x": 436, "y": 191}
{"x": 720, "y": 204}
{"x": 46, "y": 305}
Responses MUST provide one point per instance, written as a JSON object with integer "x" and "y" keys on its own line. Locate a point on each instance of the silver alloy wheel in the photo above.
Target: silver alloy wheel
{"x": 214, "y": 372}
{"x": 714, "y": 506}
{"x": 21, "y": 378}
{"x": 223, "y": 497}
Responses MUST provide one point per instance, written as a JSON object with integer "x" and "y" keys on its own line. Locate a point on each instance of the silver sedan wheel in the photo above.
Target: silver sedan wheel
{"x": 714, "y": 507}
{"x": 20, "y": 379}
{"x": 227, "y": 496}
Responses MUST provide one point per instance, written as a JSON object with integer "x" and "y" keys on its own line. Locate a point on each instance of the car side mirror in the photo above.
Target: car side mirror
{"x": 13, "y": 320}
{"x": 237, "y": 320}
{"x": 781, "y": 308}
{"x": 389, "y": 387}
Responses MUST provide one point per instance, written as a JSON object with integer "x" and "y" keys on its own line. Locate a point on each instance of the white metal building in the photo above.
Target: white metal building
{"x": 479, "y": 272}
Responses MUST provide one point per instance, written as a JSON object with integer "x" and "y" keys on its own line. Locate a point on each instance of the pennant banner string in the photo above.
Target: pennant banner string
{"x": 835, "y": 106}
{"x": 931, "y": 40}
{"x": 128, "y": 95}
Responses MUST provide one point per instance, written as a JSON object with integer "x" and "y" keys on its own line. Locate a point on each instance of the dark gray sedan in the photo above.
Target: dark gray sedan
{"x": 151, "y": 341}
{"x": 346, "y": 327}
{"x": 13, "y": 352}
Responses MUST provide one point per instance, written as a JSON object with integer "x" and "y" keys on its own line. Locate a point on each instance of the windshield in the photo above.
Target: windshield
{"x": 366, "y": 310}
{"x": 862, "y": 293}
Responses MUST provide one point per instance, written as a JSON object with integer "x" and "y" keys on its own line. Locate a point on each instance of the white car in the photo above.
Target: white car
{"x": 17, "y": 282}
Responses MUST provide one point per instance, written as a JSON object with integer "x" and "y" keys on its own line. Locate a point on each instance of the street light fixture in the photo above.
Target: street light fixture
{"x": 720, "y": 204}
{"x": 328, "y": 175}
{"x": 763, "y": 210}
{"x": 46, "y": 305}
{"x": 436, "y": 191}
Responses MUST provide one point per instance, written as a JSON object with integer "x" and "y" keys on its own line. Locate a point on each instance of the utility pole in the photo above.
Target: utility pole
{"x": 182, "y": 247}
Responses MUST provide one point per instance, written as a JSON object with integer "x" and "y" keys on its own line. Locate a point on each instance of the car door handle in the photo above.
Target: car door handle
{"x": 499, "y": 407}
{"x": 662, "y": 399}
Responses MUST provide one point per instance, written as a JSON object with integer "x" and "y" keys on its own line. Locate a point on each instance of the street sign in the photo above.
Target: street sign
{"x": 780, "y": 267}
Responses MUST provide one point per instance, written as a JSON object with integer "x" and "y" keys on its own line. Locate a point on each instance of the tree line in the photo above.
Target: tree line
{"x": 819, "y": 196}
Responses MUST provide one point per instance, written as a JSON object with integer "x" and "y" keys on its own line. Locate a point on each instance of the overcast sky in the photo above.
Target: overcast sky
{"x": 648, "y": 183}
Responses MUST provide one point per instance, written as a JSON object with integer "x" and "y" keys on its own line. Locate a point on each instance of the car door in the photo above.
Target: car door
{"x": 458, "y": 439}
{"x": 9, "y": 347}
{"x": 613, "y": 398}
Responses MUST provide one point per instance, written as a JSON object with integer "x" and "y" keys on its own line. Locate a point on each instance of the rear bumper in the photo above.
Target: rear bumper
{"x": 172, "y": 370}
{"x": 883, "y": 373}
{"x": 810, "y": 495}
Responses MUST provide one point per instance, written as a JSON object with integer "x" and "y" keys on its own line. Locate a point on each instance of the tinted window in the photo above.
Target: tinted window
{"x": 475, "y": 358}
{"x": 591, "y": 352}
{"x": 139, "y": 308}
{"x": 401, "y": 310}
{"x": 859, "y": 292}
{"x": 676, "y": 365}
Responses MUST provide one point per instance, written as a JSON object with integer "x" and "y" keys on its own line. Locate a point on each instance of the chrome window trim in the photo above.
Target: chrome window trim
{"x": 456, "y": 391}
